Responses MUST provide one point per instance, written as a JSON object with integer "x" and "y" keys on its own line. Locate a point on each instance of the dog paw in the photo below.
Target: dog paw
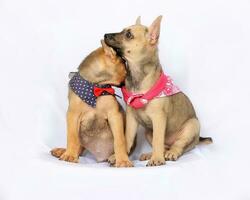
{"x": 57, "y": 152}
{"x": 145, "y": 156}
{"x": 172, "y": 155}
{"x": 111, "y": 160}
{"x": 156, "y": 162}
{"x": 66, "y": 156}
{"x": 124, "y": 163}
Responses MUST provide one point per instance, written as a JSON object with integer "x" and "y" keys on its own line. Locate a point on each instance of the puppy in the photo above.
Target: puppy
{"x": 95, "y": 120}
{"x": 153, "y": 100}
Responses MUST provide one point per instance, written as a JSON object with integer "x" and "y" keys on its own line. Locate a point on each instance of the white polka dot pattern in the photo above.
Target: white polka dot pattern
{"x": 84, "y": 89}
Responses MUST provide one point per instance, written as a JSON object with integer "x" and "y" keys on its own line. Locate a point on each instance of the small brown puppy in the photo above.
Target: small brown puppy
{"x": 171, "y": 125}
{"x": 95, "y": 120}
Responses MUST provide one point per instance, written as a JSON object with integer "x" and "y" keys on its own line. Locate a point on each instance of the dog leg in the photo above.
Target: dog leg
{"x": 74, "y": 147}
{"x": 115, "y": 120}
{"x": 131, "y": 128}
{"x": 149, "y": 138}
{"x": 159, "y": 121}
{"x": 187, "y": 139}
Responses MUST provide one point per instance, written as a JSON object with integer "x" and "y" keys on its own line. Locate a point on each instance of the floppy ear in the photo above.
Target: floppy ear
{"x": 154, "y": 30}
{"x": 138, "y": 20}
{"x": 108, "y": 50}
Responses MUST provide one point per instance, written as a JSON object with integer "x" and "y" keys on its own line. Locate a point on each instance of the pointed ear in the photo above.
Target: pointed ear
{"x": 154, "y": 30}
{"x": 138, "y": 21}
{"x": 110, "y": 52}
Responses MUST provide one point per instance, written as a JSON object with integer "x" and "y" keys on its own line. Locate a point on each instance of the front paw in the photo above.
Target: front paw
{"x": 69, "y": 157}
{"x": 57, "y": 152}
{"x": 156, "y": 161}
{"x": 123, "y": 163}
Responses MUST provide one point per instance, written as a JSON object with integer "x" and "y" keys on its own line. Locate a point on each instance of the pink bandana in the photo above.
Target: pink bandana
{"x": 163, "y": 87}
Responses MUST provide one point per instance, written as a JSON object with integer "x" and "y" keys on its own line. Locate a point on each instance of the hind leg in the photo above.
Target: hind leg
{"x": 149, "y": 138}
{"x": 186, "y": 140}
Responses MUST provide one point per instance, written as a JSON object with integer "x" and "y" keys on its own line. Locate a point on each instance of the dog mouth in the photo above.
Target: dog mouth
{"x": 117, "y": 50}
{"x": 111, "y": 42}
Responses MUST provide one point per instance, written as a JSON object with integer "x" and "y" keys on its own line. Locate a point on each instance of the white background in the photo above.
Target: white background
{"x": 204, "y": 46}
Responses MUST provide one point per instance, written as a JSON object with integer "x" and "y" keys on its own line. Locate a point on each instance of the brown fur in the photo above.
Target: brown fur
{"x": 170, "y": 122}
{"x": 100, "y": 130}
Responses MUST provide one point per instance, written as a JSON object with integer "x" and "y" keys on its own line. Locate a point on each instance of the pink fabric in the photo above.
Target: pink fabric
{"x": 163, "y": 87}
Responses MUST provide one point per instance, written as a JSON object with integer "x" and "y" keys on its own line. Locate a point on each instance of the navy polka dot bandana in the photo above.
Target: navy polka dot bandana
{"x": 88, "y": 91}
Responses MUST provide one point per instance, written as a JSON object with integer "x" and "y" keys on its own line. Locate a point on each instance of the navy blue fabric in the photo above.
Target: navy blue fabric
{"x": 85, "y": 89}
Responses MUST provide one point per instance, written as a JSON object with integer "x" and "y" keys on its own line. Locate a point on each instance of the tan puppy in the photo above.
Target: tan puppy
{"x": 99, "y": 129}
{"x": 170, "y": 122}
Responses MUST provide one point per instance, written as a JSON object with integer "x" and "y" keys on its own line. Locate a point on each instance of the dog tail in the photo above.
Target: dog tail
{"x": 205, "y": 140}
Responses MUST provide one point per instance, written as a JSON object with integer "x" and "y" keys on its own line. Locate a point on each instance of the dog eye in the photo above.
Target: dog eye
{"x": 129, "y": 35}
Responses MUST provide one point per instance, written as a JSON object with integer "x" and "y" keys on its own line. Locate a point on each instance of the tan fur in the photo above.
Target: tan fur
{"x": 170, "y": 122}
{"x": 100, "y": 130}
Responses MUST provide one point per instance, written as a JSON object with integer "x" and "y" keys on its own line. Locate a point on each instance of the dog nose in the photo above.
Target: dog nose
{"x": 109, "y": 36}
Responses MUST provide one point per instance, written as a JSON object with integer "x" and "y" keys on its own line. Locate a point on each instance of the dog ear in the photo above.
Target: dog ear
{"x": 154, "y": 30}
{"x": 138, "y": 20}
{"x": 110, "y": 52}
